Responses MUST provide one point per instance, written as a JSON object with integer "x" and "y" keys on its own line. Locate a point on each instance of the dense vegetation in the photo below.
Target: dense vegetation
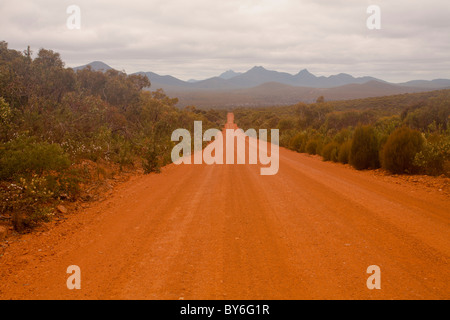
{"x": 61, "y": 129}
{"x": 408, "y": 133}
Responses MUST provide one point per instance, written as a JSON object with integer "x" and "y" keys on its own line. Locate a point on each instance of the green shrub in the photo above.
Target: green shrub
{"x": 24, "y": 156}
{"x": 343, "y": 136}
{"x": 39, "y": 214}
{"x": 382, "y": 139}
{"x": 151, "y": 161}
{"x": 27, "y": 199}
{"x": 364, "y": 148}
{"x": 5, "y": 116}
{"x": 344, "y": 152}
{"x": 285, "y": 138}
{"x": 400, "y": 150}
{"x": 433, "y": 157}
{"x": 65, "y": 185}
{"x": 330, "y": 152}
{"x": 312, "y": 146}
{"x": 286, "y": 124}
{"x": 298, "y": 142}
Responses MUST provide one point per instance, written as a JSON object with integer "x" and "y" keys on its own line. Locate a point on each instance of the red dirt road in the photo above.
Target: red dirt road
{"x": 226, "y": 232}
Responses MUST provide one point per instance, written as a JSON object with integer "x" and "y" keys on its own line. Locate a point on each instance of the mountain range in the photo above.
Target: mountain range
{"x": 254, "y": 77}
{"x": 259, "y": 86}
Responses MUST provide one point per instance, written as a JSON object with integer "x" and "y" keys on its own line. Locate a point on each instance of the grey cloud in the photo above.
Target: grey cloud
{"x": 201, "y": 38}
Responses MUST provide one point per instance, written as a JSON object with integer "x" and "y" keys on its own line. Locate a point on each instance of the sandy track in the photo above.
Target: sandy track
{"x": 226, "y": 232}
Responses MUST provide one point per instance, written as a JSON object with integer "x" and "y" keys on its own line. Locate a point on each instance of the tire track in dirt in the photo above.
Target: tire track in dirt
{"x": 226, "y": 232}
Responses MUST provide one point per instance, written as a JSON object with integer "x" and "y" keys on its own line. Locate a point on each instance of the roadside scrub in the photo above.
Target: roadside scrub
{"x": 403, "y": 134}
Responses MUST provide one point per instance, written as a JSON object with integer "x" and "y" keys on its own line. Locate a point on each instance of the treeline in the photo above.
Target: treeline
{"x": 60, "y": 129}
{"x": 403, "y": 134}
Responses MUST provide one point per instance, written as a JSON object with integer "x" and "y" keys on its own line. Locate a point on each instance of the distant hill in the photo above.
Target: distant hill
{"x": 273, "y": 93}
{"x": 261, "y": 87}
{"x": 95, "y": 65}
{"x": 437, "y": 83}
{"x": 163, "y": 81}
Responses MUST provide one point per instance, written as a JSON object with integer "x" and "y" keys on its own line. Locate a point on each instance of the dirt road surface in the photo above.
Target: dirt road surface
{"x": 227, "y": 232}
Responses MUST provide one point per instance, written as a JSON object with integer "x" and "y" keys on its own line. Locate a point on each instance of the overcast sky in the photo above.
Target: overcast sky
{"x": 202, "y": 38}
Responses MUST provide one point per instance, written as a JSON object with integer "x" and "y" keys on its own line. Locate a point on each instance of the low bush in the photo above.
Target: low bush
{"x": 400, "y": 150}
{"x": 343, "y": 136}
{"x": 298, "y": 142}
{"x": 24, "y": 156}
{"x": 151, "y": 161}
{"x": 330, "y": 152}
{"x": 28, "y": 200}
{"x": 312, "y": 146}
{"x": 434, "y": 156}
{"x": 364, "y": 149}
{"x": 344, "y": 152}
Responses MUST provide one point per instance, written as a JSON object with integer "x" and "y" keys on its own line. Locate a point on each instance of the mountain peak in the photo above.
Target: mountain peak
{"x": 304, "y": 71}
{"x": 257, "y": 68}
{"x": 95, "y": 65}
{"x": 305, "y": 74}
{"x": 229, "y": 74}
